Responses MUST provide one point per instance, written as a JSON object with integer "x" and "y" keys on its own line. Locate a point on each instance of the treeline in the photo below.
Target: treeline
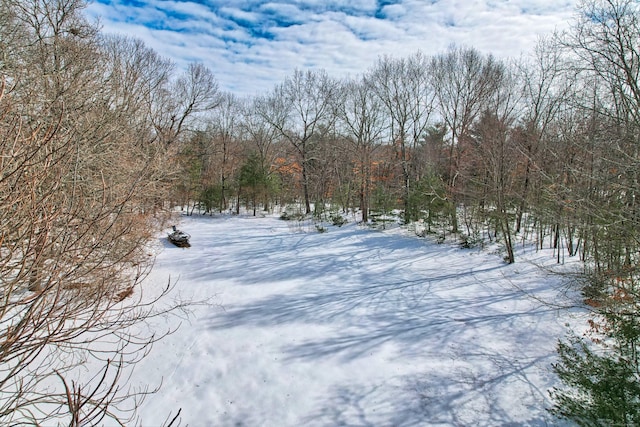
{"x": 99, "y": 134}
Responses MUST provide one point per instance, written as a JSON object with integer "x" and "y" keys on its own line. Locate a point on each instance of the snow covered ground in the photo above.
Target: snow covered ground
{"x": 351, "y": 327}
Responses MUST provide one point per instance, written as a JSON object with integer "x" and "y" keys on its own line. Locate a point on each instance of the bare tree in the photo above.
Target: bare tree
{"x": 262, "y": 137}
{"x": 603, "y": 48}
{"x": 605, "y": 42}
{"x": 403, "y": 87}
{"x": 132, "y": 76}
{"x": 224, "y": 129}
{"x": 72, "y": 244}
{"x": 299, "y": 109}
{"x": 545, "y": 88}
{"x": 364, "y": 125}
{"x": 191, "y": 95}
{"x": 464, "y": 81}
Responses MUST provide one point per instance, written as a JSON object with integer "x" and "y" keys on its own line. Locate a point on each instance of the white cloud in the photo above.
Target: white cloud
{"x": 394, "y": 11}
{"x": 251, "y": 45}
{"x": 239, "y": 14}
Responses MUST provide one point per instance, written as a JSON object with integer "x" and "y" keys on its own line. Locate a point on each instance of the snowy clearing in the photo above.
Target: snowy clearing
{"x": 351, "y": 327}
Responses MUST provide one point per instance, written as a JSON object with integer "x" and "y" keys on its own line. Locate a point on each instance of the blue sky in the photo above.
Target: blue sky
{"x": 252, "y": 45}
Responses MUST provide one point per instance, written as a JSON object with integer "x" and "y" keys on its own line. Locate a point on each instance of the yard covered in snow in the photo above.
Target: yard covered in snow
{"x": 351, "y": 327}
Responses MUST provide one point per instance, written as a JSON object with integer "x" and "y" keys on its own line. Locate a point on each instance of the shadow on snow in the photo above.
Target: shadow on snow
{"x": 453, "y": 311}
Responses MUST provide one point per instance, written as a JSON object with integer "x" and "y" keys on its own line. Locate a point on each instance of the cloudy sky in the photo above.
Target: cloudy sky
{"x": 251, "y": 45}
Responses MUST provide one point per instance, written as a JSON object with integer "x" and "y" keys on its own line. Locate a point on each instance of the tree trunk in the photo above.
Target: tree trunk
{"x": 305, "y": 187}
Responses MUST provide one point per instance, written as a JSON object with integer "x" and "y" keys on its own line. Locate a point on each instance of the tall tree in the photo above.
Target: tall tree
{"x": 492, "y": 146}
{"x": 225, "y": 131}
{"x": 261, "y": 137}
{"x": 299, "y": 109}
{"x": 363, "y": 125}
{"x": 464, "y": 82}
{"x": 403, "y": 87}
{"x": 133, "y": 74}
{"x": 545, "y": 91}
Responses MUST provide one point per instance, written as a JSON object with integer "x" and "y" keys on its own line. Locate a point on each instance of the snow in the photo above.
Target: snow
{"x": 351, "y": 327}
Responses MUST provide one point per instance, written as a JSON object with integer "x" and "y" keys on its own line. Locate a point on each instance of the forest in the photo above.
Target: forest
{"x": 100, "y": 137}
